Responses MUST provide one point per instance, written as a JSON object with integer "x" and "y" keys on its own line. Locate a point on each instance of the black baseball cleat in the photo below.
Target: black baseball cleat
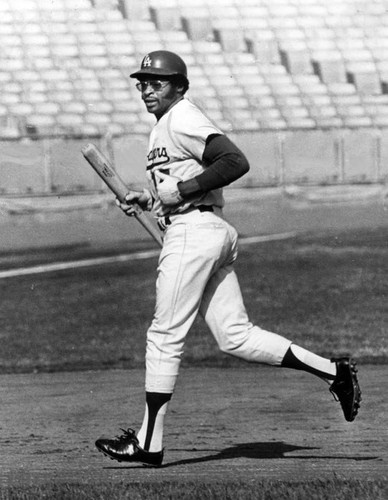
{"x": 345, "y": 388}
{"x": 125, "y": 448}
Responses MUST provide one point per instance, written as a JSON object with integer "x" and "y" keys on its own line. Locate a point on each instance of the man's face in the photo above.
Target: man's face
{"x": 158, "y": 95}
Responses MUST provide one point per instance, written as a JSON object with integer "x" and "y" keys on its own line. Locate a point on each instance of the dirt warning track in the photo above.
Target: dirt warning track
{"x": 253, "y": 422}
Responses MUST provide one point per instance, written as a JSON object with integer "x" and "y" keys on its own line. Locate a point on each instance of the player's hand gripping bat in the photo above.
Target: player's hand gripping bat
{"x": 105, "y": 170}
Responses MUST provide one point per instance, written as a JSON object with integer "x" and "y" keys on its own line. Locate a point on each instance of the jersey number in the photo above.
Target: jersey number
{"x": 163, "y": 170}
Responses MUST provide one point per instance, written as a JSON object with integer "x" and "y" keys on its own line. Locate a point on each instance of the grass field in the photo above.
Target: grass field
{"x": 255, "y": 490}
{"x": 327, "y": 292}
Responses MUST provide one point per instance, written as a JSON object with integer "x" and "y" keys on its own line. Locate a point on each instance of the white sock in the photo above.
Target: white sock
{"x": 314, "y": 361}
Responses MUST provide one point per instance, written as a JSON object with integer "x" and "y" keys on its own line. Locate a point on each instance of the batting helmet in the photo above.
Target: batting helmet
{"x": 161, "y": 63}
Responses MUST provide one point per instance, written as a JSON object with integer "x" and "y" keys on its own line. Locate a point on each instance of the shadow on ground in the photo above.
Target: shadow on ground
{"x": 264, "y": 451}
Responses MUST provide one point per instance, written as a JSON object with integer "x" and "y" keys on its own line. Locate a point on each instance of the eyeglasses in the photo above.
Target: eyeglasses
{"x": 156, "y": 85}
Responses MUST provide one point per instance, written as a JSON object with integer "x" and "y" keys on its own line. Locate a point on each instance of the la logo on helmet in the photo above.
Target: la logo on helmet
{"x": 147, "y": 61}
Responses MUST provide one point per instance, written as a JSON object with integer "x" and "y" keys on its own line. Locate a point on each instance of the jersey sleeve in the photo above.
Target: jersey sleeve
{"x": 225, "y": 163}
{"x": 189, "y": 131}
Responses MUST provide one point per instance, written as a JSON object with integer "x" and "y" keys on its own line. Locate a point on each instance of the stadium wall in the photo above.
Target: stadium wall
{"x": 52, "y": 166}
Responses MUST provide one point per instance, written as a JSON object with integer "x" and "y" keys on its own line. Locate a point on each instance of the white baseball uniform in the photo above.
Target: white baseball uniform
{"x": 195, "y": 271}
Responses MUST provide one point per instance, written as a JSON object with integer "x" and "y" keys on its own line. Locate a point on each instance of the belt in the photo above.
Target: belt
{"x": 205, "y": 208}
{"x": 165, "y": 221}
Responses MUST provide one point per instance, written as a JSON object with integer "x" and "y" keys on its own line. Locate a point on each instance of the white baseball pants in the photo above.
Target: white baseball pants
{"x": 196, "y": 275}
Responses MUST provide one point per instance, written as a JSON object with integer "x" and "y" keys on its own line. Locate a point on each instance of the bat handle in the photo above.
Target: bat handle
{"x": 133, "y": 204}
{"x": 141, "y": 217}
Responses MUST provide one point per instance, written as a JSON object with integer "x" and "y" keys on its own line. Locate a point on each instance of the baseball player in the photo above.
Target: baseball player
{"x": 189, "y": 161}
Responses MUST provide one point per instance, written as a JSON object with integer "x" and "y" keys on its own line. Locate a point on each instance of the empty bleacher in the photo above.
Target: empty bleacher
{"x": 282, "y": 49}
{"x": 253, "y": 64}
{"x": 292, "y": 71}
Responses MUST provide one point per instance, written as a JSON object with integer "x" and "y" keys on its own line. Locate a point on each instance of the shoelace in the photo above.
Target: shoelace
{"x": 127, "y": 434}
{"x": 334, "y": 395}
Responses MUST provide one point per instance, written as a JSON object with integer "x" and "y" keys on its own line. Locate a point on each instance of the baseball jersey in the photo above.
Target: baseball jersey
{"x": 176, "y": 146}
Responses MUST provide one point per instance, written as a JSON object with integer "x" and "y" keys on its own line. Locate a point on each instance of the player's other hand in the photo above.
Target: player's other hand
{"x": 140, "y": 198}
{"x": 168, "y": 189}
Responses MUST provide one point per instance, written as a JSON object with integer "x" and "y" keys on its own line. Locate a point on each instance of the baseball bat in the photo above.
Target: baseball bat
{"x": 105, "y": 170}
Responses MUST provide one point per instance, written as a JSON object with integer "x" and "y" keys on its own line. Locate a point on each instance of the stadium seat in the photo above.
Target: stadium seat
{"x": 380, "y": 54}
{"x": 378, "y": 101}
{"x": 85, "y": 129}
{"x": 347, "y": 99}
{"x": 300, "y": 123}
{"x": 198, "y": 81}
{"x": 377, "y": 111}
{"x": 11, "y": 65}
{"x": 124, "y": 118}
{"x": 166, "y": 17}
{"x": 324, "y": 48}
{"x": 231, "y": 40}
{"x": 89, "y": 95}
{"x": 86, "y": 84}
{"x": 239, "y": 102}
{"x": 78, "y": 27}
{"x": 309, "y": 84}
{"x": 283, "y": 88}
{"x": 289, "y": 100}
{"x": 10, "y": 132}
{"x": 259, "y": 95}
{"x": 42, "y": 63}
{"x": 20, "y": 108}
{"x": 106, "y": 4}
{"x": 61, "y": 50}
{"x": 318, "y": 112}
{"x": 293, "y": 112}
{"x": 60, "y": 96}
{"x": 241, "y": 118}
{"x": 350, "y": 110}
{"x": 117, "y": 129}
{"x": 262, "y": 102}
{"x": 42, "y": 124}
{"x": 12, "y": 87}
{"x": 73, "y": 4}
{"x": 264, "y": 49}
{"x": 47, "y": 108}
{"x": 314, "y": 62}
{"x": 253, "y": 17}
{"x": 35, "y": 97}
{"x": 9, "y": 98}
{"x": 380, "y": 121}
{"x": 5, "y": 76}
{"x": 205, "y": 93}
{"x": 339, "y": 88}
{"x": 77, "y": 107}
{"x": 273, "y": 124}
{"x": 366, "y": 82}
{"x": 127, "y": 106}
{"x": 122, "y": 37}
{"x": 70, "y": 119}
{"x": 100, "y": 120}
{"x": 102, "y": 107}
{"x": 241, "y": 60}
{"x": 311, "y": 24}
{"x": 361, "y": 66}
{"x": 92, "y": 50}
{"x": 296, "y": 61}
{"x": 197, "y": 25}
{"x": 269, "y": 113}
{"x": 357, "y": 121}
{"x": 329, "y": 70}
{"x": 249, "y": 81}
